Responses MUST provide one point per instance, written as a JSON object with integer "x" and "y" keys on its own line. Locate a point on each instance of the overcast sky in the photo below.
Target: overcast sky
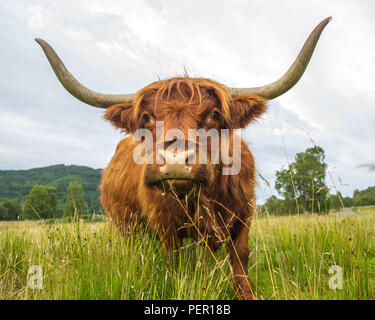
{"x": 121, "y": 46}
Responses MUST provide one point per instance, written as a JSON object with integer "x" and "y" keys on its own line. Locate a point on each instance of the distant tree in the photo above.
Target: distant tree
{"x": 364, "y": 197}
{"x": 348, "y": 202}
{"x": 335, "y": 201}
{"x": 75, "y": 204}
{"x": 3, "y": 213}
{"x": 302, "y": 184}
{"x": 40, "y": 203}
{"x": 274, "y": 206}
{"x": 9, "y": 209}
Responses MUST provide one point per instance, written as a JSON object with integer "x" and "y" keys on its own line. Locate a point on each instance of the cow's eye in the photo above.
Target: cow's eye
{"x": 216, "y": 115}
{"x": 146, "y": 117}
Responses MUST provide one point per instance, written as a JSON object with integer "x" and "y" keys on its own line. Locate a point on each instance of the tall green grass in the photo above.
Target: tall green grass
{"x": 290, "y": 259}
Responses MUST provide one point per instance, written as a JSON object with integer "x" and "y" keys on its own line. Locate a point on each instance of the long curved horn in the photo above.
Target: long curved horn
{"x": 294, "y": 73}
{"x": 75, "y": 88}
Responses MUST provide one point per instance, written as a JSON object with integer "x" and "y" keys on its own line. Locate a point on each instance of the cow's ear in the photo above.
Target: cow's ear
{"x": 245, "y": 109}
{"x": 122, "y": 117}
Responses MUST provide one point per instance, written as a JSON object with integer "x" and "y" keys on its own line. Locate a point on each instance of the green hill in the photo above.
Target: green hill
{"x": 16, "y": 184}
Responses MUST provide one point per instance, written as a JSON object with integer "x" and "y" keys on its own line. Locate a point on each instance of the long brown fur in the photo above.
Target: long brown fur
{"x": 221, "y": 211}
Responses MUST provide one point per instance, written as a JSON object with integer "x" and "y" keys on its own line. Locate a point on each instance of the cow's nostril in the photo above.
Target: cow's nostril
{"x": 183, "y": 157}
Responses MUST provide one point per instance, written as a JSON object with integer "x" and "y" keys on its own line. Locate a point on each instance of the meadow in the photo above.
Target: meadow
{"x": 290, "y": 259}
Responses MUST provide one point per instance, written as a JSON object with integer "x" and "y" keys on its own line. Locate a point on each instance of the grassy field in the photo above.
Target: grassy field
{"x": 291, "y": 257}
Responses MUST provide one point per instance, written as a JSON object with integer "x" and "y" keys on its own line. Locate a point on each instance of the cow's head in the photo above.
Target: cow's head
{"x": 188, "y": 120}
{"x": 168, "y": 109}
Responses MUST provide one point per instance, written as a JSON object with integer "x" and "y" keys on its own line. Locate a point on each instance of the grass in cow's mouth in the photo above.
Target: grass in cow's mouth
{"x": 290, "y": 259}
{"x": 179, "y": 187}
{"x": 166, "y": 180}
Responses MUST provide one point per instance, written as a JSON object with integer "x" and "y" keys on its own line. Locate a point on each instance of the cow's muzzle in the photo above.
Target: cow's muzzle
{"x": 176, "y": 174}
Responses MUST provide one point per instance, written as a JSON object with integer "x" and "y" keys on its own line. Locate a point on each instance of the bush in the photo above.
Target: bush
{"x": 9, "y": 209}
{"x": 75, "y": 205}
{"x": 41, "y": 203}
{"x": 364, "y": 197}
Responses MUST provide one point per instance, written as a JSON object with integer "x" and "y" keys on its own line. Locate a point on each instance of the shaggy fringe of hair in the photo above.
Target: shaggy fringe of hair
{"x": 164, "y": 89}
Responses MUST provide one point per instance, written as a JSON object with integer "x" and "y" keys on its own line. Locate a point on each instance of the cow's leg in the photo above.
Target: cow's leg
{"x": 126, "y": 222}
{"x": 171, "y": 243}
{"x": 239, "y": 256}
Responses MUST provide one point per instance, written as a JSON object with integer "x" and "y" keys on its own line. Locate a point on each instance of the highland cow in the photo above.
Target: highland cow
{"x": 172, "y": 191}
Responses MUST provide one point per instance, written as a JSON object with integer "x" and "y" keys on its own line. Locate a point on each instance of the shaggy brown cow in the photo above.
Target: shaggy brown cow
{"x": 180, "y": 199}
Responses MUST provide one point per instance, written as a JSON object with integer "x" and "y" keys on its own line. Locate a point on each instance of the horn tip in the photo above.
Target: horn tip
{"x": 42, "y": 42}
{"x": 38, "y": 40}
{"x": 324, "y": 22}
{"x": 328, "y": 19}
